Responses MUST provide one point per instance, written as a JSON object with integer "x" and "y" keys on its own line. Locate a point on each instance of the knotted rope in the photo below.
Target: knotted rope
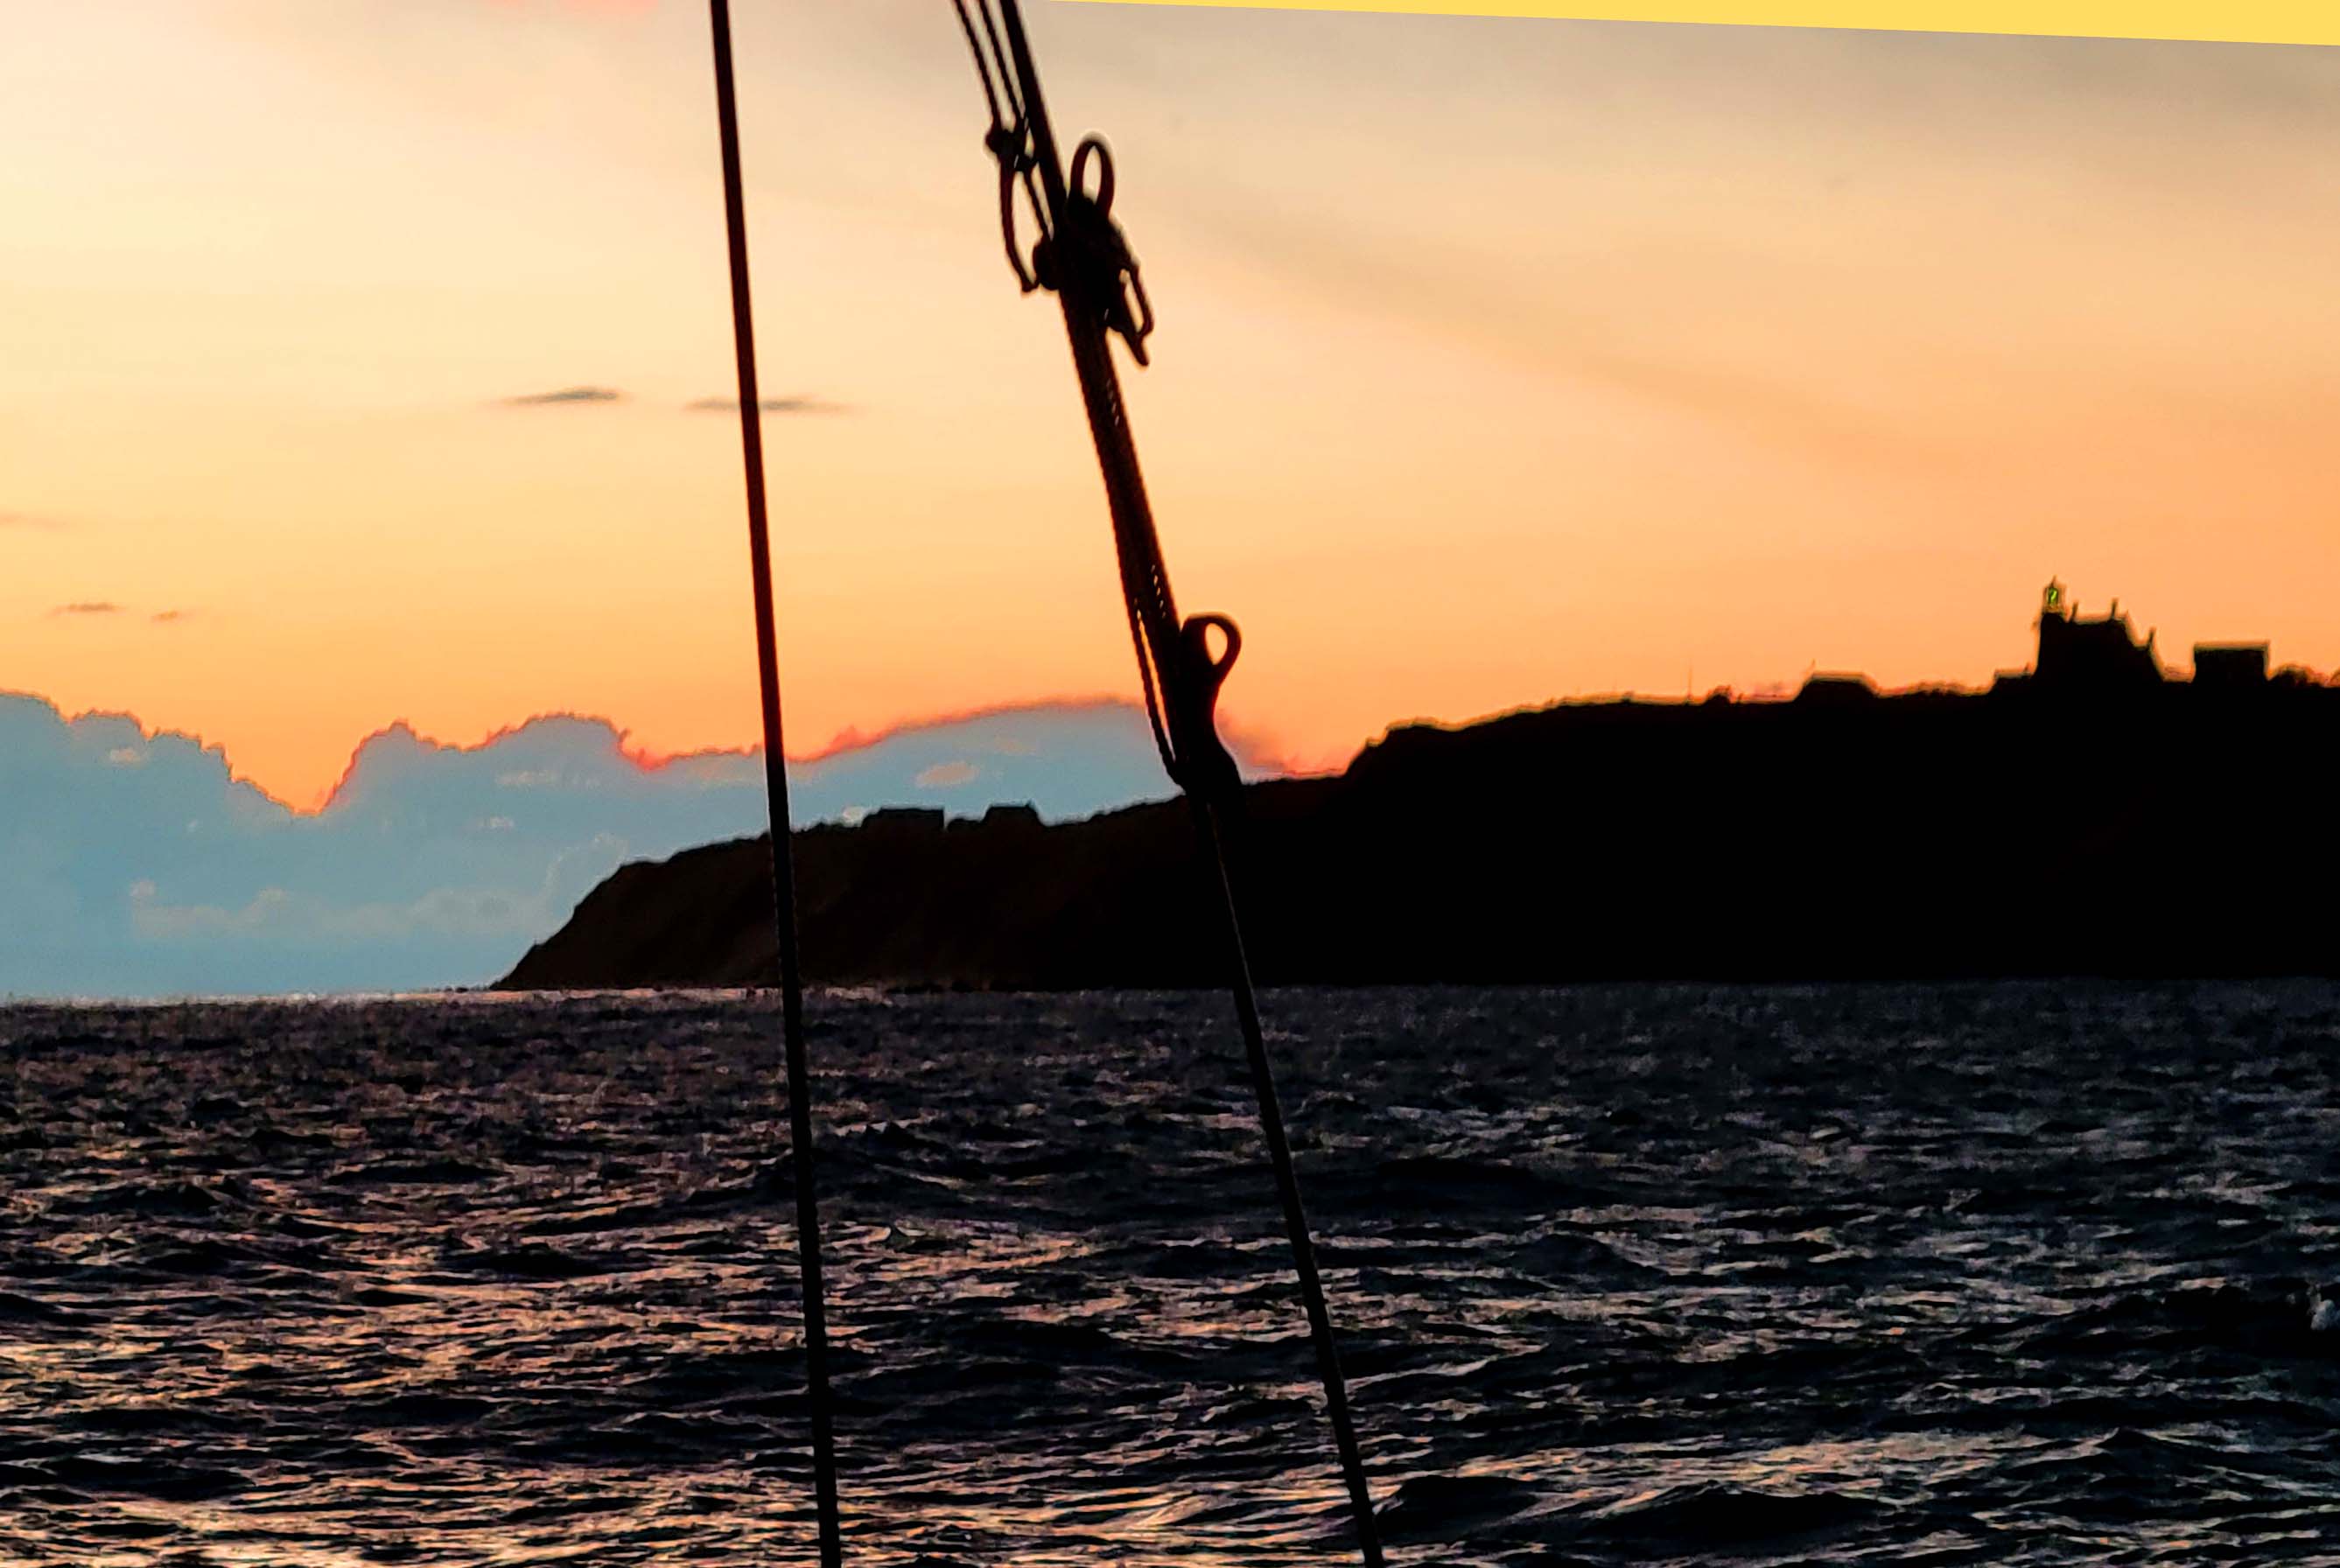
{"x": 1082, "y": 257}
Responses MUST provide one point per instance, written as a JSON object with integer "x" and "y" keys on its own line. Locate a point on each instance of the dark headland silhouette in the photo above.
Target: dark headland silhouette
{"x": 2086, "y": 816}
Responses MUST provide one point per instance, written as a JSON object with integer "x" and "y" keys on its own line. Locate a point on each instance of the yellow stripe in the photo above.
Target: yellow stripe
{"x": 2222, "y": 21}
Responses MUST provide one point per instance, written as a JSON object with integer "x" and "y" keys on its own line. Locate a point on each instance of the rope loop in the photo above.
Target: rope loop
{"x": 1203, "y": 766}
{"x": 1012, "y": 149}
{"x": 1092, "y": 146}
{"x": 1097, "y": 254}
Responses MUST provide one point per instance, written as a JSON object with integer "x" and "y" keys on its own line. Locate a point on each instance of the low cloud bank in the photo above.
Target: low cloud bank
{"x": 132, "y": 864}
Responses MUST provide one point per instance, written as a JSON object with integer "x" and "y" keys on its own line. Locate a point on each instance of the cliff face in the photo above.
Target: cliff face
{"x": 2177, "y": 831}
{"x": 1003, "y": 901}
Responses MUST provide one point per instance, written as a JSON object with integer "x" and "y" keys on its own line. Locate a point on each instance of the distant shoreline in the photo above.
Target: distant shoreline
{"x": 2061, "y": 825}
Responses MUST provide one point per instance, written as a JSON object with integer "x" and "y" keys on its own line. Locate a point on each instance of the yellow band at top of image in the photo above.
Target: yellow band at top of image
{"x": 2213, "y": 21}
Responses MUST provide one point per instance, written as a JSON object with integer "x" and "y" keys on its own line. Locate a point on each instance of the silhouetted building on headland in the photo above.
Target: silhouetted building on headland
{"x": 2101, "y": 655}
{"x": 2103, "y": 661}
{"x": 2230, "y": 666}
{"x": 2081, "y": 657}
{"x": 1836, "y": 689}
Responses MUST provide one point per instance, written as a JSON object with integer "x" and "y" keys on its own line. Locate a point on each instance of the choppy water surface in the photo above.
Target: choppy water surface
{"x": 1994, "y": 1274}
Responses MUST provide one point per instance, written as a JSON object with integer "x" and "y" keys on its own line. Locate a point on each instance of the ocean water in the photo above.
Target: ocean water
{"x": 1997, "y": 1274}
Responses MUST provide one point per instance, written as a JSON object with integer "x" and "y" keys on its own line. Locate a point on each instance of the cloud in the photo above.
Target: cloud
{"x": 27, "y": 520}
{"x": 169, "y": 617}
{"x": 802, "y": 403}
{"x": 565, "y": 395}
{"x": 134, "y": 862}
{"x": 88, "y": 607}
{"x": 948, "y": 775}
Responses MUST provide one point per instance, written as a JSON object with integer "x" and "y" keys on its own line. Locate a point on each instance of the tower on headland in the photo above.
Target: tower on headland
{"x": 2101, "y": 656}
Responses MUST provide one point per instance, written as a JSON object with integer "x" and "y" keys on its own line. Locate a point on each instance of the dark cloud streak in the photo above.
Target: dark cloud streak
{"x": 566, "y": 395}
{"x": 794, "y": 404}
{"x": 88, "y": 607}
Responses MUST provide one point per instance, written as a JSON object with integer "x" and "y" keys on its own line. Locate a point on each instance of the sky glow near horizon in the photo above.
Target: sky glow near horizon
{"x": 347, "y": 369}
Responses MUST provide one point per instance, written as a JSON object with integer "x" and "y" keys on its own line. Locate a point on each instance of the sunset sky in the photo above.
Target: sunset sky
{"x": 1500, "y": 361}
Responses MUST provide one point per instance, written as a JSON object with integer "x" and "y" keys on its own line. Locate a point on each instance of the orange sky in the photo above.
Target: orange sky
{"x": 1499, "y": 361}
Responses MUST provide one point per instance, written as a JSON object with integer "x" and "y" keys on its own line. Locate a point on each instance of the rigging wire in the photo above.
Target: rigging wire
{"x": 776, "y": 786}
{"x": 1010, "y": 144}
{"x": 1083, "y": 257}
